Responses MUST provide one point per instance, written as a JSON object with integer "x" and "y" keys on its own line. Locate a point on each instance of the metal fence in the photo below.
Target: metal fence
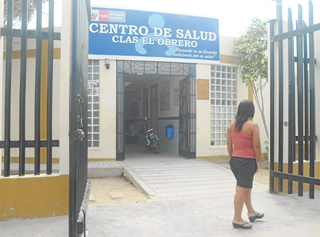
{"x": 301, "y": 100}
{"x": 26, "y": 34}
{"x": 78, "y": 185}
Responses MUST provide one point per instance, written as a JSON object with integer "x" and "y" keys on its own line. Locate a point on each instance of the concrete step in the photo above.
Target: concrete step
{"x": 105, "y": 172}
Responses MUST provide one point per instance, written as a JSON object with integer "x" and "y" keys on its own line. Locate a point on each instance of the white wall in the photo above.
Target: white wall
{"x": 107, "y": 149}
{"x": 204, "y": 117}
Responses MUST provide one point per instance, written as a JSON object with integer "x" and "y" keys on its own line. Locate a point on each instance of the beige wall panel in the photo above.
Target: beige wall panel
{"x": 107, "y": 149}
{"x": 203, "y": 89}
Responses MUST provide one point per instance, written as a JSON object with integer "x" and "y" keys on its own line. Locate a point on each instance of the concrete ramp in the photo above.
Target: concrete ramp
{"x": 168, "y": 176}
{"x": 183, "y": 178}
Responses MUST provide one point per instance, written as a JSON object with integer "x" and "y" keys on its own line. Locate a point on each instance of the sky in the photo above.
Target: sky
{"x": 234, "y": 15}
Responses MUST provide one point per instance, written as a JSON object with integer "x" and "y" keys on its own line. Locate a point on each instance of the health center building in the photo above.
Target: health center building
{"x": 176, "y": 70}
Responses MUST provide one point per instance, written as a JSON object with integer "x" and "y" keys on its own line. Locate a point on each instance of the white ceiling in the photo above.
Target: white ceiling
{"x": 134, "y": 81}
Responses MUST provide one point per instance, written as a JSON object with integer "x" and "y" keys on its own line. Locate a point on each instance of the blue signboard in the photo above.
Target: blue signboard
{"x": 122, "y": 34}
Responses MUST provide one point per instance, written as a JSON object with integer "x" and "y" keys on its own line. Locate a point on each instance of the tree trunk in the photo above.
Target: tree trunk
{"x": 260, "y": 107}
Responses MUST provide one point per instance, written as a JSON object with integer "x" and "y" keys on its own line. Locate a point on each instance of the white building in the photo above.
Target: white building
{"x": 151, "y": 81}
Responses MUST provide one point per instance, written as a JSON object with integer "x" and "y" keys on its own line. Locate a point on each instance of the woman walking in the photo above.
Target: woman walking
{"x": 245, "y": 158}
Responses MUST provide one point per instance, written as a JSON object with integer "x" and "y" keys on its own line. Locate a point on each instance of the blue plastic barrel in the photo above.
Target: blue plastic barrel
{"x": 169, "y": 130}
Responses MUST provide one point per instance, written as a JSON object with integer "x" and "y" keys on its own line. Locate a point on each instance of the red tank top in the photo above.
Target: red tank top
{"x": 242, "y": 144}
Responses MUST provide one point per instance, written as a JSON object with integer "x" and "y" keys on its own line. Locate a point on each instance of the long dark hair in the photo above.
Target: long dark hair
{"x": 245, "y": 111}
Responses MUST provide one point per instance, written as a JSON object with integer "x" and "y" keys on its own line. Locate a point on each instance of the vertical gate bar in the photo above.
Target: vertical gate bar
{"x": 188, "y": 98}
{"x": 37, "y": 90}
{"x": 78, "y": 142}
{"x": 292, "y": 142}
{"x": 180, "y": 117}
{"x": 271, "y": 108}
{"x": 85, "y": 109}
{"x": 306, "y": 96}
{"x": 80, "y": 155}
{"x": 312, "y": 102}
{"x": 49, "y": 87}
{"x": 123, "y": 113}
{"x": 80, "y": 99}
{"x": 73, "y": 122}
{"x": 158, "y": 65}
{"x": 85, "y": 100}
{"x": 120, "y": 116}
{"x": 117, "y": 116}
{"x": 23, "y": 73}
{"x": 300, "y": 101}
{"x": 280, "y": 111}
{"x": 7, "y": 121}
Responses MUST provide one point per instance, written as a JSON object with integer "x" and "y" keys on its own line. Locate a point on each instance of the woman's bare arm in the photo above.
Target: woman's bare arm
{"x": 256, "y": 143}
{"x": 229, "y": 141}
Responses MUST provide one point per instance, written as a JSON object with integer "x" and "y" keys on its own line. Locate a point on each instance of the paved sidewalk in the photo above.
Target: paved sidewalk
{"x": 188, "y": 198}
{"x": 285, "y": 215}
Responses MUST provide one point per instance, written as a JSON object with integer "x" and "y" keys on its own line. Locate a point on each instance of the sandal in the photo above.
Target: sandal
{"x": 242, "y": 226}
{"x": 258, "y": 216}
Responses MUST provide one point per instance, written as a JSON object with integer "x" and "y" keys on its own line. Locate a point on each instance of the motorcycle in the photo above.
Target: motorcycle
{"x": 149, "y": 137}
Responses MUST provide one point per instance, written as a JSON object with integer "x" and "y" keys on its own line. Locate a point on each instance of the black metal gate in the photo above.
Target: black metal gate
{"x": 301, "y": 105}
{"x": 24, "y": 34}
{"x": 78, "y": 100}
{"x": 187, "y": 117}
{"x": 120, "y": 116}
{"x": 79, "y": 187}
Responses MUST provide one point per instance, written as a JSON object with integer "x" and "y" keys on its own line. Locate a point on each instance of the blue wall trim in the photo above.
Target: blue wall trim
{"x": 169, "y": 118}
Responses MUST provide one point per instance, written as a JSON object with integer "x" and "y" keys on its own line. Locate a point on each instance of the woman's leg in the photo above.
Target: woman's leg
{"x": 247, "y": 201}
{"x": 251, "y": 211}
{"x": 239, "y": 199}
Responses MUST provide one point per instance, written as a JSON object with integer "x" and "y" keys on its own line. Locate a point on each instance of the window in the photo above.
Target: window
{"x": 93, "y": 103}
{"x": 223, "y": 96}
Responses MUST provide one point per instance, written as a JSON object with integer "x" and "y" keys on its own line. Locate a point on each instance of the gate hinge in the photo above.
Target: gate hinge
{"x": 79, "y": 135}
{"x": 79, "y": 98}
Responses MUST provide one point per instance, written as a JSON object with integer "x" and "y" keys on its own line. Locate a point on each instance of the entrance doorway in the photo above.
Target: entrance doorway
{"x": 154, "y": 107}
{"x": 151, "y": 89}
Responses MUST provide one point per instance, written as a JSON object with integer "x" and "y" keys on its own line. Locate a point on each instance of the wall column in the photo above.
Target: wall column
{"x": 203, "y": 115}
{"x": 64, "y": 86}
